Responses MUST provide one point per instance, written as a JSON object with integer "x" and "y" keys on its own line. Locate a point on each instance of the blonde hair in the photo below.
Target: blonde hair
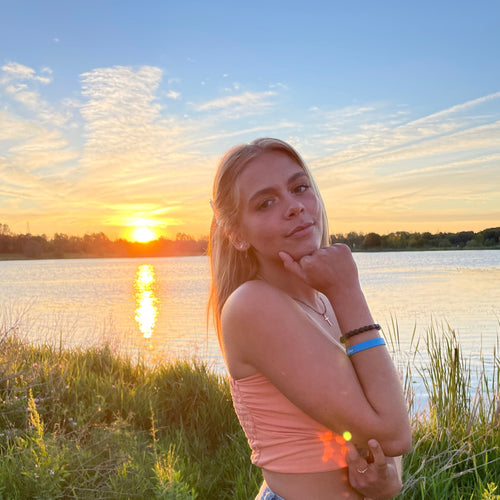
{"x": 230, "y": 267}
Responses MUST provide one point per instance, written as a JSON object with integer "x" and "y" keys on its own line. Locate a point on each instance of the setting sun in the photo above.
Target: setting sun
{"x": 143, "y": 234}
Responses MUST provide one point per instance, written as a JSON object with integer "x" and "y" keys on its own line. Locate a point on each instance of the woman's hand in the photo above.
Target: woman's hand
{"x": 377, "y": 478}
{"x": 328, "y": 269}
{"x": 332, "y": 271}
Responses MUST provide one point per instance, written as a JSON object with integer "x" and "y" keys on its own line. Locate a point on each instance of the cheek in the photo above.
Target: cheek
{"x": 316, "y": 201}
{"x": 261, "y": 230}
{"x": 314, "y": 206}
{"x": 319, "y": 209}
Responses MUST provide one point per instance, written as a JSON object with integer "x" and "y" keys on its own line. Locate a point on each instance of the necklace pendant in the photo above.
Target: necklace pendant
{"x": 322, "y": 314}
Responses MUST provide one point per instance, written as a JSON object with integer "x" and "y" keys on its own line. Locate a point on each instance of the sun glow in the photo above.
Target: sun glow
{"x": 147, "y": 300}
{"x": 143, "y": 234}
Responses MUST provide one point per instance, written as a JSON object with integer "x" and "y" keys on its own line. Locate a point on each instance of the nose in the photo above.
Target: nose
{"x": 294, "y": 208}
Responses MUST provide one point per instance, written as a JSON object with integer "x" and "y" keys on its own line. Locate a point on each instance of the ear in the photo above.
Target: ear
{"x": 239, "y": 243}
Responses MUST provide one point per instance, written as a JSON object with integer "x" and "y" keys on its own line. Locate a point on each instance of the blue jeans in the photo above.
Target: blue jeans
{"x": 265, "y": 493}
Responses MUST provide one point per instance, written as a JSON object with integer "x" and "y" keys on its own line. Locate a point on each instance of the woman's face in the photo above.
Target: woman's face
{"x": 279, "y": 210}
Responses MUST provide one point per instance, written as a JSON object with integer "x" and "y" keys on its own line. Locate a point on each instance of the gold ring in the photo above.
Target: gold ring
{"x": 362, "y": 471}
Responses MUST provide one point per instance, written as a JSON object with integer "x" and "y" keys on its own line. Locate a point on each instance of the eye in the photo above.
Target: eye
{"x": 301, "y": 188}
{"x": 264, "y": 204}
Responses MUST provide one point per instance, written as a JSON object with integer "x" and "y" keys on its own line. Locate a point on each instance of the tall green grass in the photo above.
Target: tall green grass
{"x": 88, "y": 423}
{"x": 456, "y": 433}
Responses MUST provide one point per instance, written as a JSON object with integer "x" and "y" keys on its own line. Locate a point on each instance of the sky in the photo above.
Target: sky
{"x": 114, "y": 114}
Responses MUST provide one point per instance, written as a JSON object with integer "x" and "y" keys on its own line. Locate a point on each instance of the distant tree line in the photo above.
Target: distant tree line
{"x": 99, "y": 245}
{"x": 96, "y": 245}
{"x": 403, "y": 240}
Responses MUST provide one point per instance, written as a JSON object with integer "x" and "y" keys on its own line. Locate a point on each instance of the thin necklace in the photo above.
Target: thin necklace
{"x": 325, "y": 316}
{"x": 322, "y": 314}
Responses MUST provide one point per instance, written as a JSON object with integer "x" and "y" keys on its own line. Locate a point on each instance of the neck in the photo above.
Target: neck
{"x": 288, "y": 282}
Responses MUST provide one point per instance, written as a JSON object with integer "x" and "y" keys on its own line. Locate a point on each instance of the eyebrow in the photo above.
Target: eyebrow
{"x": 271, "y": 190}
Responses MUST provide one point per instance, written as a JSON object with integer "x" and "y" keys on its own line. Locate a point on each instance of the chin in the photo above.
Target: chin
{"x": 299, "y": 252}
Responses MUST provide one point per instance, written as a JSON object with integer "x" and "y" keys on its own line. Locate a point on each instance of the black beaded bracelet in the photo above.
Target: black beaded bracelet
{"x": 363, "y": 329}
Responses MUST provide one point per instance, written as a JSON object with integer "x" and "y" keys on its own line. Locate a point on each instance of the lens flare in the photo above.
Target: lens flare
{"x": 347, "y": 435}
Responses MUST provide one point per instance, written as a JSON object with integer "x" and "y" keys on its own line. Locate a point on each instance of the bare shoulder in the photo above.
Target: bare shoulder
{"x": 251, "y": 309}
{"x": 250, "y": 319}
{"x": 253, "y": 297}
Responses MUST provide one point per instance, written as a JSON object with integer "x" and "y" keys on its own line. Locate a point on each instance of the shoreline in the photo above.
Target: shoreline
{"x": 6, "y": 257}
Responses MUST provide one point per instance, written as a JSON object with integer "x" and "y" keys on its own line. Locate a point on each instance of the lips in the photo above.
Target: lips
{"x": 298, "y": 231}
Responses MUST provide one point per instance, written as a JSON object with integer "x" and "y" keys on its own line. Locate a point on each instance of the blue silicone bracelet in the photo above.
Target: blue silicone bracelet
{"x": 367, "y": 344}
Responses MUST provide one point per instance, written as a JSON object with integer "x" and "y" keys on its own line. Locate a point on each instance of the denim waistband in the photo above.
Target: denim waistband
{"x": 266, "y": 493}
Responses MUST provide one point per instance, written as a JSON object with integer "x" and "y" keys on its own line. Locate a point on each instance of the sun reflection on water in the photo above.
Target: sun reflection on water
{"x": 146, "y": 299}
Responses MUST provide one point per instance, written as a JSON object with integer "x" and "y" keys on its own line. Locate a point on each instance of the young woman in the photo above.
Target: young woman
{"x": 312, "y": 382}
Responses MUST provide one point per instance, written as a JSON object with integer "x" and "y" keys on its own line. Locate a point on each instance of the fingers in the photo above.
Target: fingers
{"x": 352, "y": 454}
{"x": 379, "y": 459}
{"x": 354, "y": 460}
{"x": 359, "y": 464}
{"x": 328, "y": 270}
{"x": 286, "y": 258}
{"x": 305, "y": 267}
{"x": 377, "y": 479}
{"x": 291, "y": 265}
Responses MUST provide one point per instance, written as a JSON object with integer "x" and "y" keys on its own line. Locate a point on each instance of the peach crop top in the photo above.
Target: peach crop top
{"x": 282, "y": 437}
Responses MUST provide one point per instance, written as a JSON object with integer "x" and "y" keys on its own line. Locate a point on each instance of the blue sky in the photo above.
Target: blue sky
{"x": 113, "y": 114}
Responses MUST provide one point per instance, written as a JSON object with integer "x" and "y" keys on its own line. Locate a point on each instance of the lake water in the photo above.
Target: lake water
{"x": 156, "y": 307}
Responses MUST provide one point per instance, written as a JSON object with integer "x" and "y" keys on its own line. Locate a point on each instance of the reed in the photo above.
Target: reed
{"x": 90, "y": 423}
{"x": 456, "y": 425}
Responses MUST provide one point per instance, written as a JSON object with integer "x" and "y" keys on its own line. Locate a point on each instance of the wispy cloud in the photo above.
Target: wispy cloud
{"x": 135, "y": 154}
{"x": 13, "y": 71}
{"x": 247, "y": 102}
{"x": 28, "y": 147}
{"x": 172, "y": 94}
{"x": 369, "y": 136}
{"x": 21, "y": 84}
{"x": 440, "y": 167}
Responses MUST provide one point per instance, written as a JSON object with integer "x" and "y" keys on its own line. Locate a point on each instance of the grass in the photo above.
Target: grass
{"x": 456, "y": 435}
{"x": 88, "y": 423}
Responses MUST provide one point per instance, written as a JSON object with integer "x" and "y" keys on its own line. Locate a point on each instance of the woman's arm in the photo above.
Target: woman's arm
{"x": 265, "y": 330}
{"x": 332, "y": 270}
